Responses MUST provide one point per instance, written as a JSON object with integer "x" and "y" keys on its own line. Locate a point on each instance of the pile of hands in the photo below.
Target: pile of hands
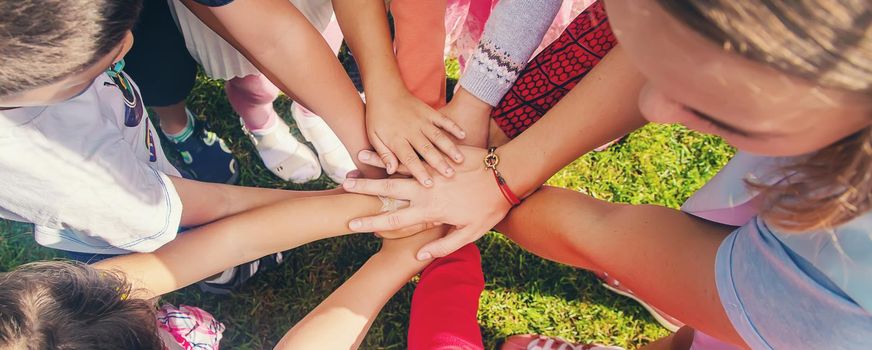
{"x": 438, "y": 180}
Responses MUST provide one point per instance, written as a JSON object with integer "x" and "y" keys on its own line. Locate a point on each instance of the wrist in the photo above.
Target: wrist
{"x": 491, "y": 162}
{"x": 517, "y": 171}
{"x": 472, "y": 115}
{"x": 365, "y": 204}
{"x": 389, "y": 92}
{"x": 400, "y": 259}
{"x": 385, "y": 80}
{"x": 466, "y": 101}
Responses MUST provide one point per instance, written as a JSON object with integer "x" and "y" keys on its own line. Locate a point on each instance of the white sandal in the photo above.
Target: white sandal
{"x": 283, "y": 155}
{"x": 334, "y": 158}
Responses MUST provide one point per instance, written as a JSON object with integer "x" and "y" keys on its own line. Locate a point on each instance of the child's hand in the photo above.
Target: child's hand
{"x": 471, "y": 201}
{"x": 400, "y": 127}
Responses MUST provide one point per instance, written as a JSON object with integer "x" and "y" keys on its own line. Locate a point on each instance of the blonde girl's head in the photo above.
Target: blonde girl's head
{"x": 775, "y": 78}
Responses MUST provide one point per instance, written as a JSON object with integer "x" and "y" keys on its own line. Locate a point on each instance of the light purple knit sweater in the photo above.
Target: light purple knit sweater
{"x": 513, "y": 31}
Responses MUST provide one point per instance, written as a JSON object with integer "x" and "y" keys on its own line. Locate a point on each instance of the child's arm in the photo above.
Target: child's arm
{"x": 284, "y": 46}
{"x": 419, "y": 41}
{"x": 665, "y": 256}
{"x": 398, "y": 124}
{"x": 204, "y": 202}
{"x": 210, "y": 249}
{"x": 342, "y": 320}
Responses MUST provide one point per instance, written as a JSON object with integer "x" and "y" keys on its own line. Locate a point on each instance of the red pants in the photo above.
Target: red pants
{"x": 445, "y": 303}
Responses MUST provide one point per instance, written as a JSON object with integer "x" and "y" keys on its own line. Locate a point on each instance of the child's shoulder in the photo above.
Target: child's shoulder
{"x": 17, "y": 117}
{"x": 727, "y": 195}
{"x": 88, "y": 101}
{"x": 100, "y": 104}
{"x": 843, "y": 253}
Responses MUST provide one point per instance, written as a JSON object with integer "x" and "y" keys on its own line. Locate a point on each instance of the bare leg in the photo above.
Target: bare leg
{"x": 252, "y": 98}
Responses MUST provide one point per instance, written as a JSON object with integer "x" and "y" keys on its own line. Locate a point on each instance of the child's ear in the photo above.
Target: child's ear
{"x": 126, "y": 44}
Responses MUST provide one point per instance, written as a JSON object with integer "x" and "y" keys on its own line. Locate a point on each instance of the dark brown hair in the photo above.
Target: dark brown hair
{"x": 67, "y": 305}
{"x": 42, "y": 41}
{"x": 827, "y": 42}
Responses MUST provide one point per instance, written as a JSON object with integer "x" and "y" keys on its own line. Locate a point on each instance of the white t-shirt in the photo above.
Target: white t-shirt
{"x": 86, "y": 181}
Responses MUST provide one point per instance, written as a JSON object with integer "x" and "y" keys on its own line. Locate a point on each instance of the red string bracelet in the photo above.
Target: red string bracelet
{"x": 490, "y": 162}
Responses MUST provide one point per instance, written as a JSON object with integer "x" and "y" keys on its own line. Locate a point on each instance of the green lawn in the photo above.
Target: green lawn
{"x": 658, "y": 164}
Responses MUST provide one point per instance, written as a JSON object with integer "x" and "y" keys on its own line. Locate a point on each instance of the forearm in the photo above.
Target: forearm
{"x": 294, "y": 56}
{"x": 365, "y": 25}
{"x": 205, "y": 202}
{"x": 645, "y": 247}
{"x": 241, "y": 238}
{"x": 473, "y": 116}
{"x": 343, "y": 319}
{"x": 601, "y": 108}
{"x": 419, "y": 42}
{"x": 548, "y": 223}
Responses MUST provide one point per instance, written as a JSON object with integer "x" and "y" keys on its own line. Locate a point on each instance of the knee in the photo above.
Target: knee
{"x": 255, "y": 88}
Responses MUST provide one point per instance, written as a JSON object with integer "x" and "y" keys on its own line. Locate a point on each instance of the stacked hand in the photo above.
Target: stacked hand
{"x": 470, "y": 201}
{"x": 400, "y": 127}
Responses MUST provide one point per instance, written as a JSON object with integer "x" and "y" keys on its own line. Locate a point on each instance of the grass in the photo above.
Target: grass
{"x": 658, "y": 164}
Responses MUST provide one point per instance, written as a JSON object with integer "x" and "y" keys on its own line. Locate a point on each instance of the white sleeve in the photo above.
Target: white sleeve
{"x": 91, "y": 184}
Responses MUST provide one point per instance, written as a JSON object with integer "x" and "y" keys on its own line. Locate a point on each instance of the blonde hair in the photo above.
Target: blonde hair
{"x": 829, "y": 43}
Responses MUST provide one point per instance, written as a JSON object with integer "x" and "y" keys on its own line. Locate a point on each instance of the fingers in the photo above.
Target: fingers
{"x": 447, "y": 124}
{"x": 432, "y": 155}
{"x": 408, "y": 157}
{"x": 388, "y": 221}
{"x": 371, "y": 158}
{"x": 403, "y": 170}
{"x": 393, "y": 188}
{"x": 444, "y": 143}
{"x": 354, "y": 174}
{"x": 388, "y": 159}
{"x": 453, "y": 241}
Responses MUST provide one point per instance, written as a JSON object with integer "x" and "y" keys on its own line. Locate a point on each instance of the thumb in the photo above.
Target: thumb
{"x": 454, "y": 240}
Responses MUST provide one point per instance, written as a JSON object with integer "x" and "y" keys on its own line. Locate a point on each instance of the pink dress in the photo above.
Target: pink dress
{"x": 190, "y": 327}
